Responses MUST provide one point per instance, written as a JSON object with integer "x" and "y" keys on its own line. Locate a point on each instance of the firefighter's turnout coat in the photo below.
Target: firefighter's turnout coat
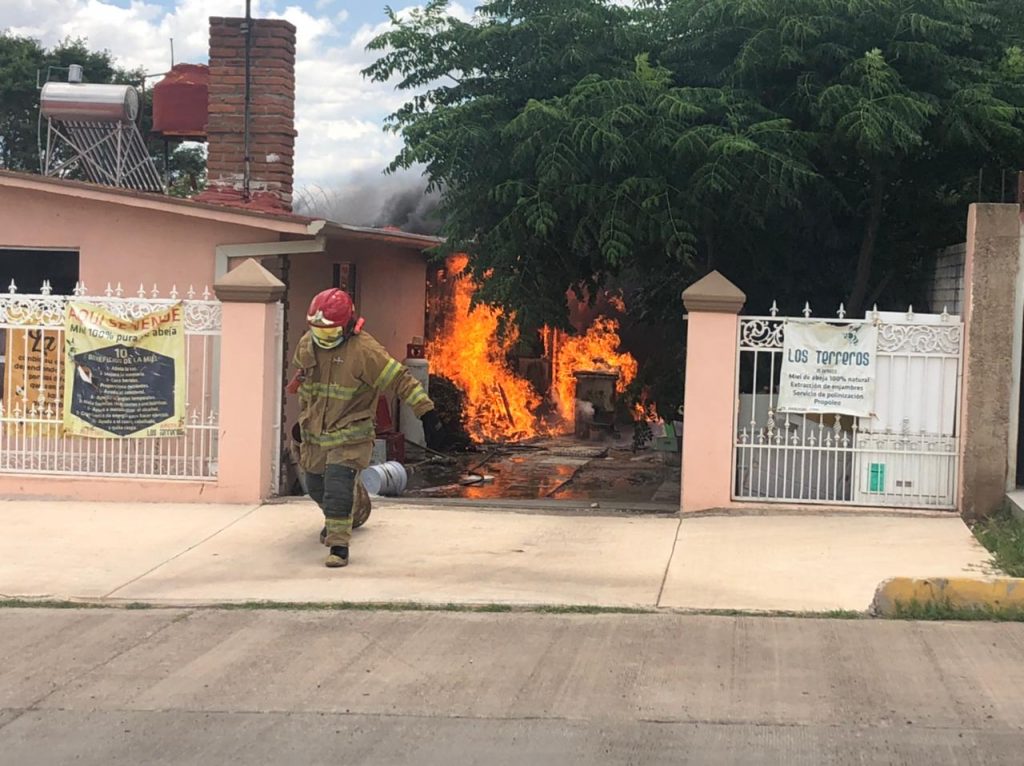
{"x": 338, "y": 399}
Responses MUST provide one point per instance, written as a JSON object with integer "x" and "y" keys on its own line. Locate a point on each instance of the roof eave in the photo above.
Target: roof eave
{"x": 332, "y": 230}
{"x": 284, "y": 224}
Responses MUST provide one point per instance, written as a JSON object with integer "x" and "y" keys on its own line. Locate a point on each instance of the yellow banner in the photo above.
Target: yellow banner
{"x": 31, "y": 379}
{"x": 124, "y": 377}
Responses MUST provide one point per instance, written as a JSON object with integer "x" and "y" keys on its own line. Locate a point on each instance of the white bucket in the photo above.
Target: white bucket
{"x": 386, "y": 479}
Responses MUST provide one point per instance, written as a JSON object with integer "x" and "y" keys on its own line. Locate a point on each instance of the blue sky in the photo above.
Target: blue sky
{"x": 338, "y": 113}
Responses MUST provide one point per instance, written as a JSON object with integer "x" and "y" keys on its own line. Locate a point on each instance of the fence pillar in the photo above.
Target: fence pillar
{"x": 249, "y": 388}
{"x": 992, "y": 314}
{"x": 712, "y": 306}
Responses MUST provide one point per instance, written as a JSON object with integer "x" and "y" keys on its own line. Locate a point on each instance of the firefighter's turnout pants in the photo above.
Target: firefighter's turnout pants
{"x": 338, "y": 398}
{"x": 335, "y": 486}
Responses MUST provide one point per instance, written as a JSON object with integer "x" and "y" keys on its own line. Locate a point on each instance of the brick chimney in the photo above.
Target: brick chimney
{"x": 271, "y": 114}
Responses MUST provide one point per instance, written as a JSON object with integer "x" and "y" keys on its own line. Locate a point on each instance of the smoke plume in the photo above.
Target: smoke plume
{"x": 373, "y": 199}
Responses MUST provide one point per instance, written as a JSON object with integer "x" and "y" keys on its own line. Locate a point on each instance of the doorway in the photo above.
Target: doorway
{"x": 28, "y": 268}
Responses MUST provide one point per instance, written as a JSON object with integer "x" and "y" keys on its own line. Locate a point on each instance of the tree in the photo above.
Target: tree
{"x": 902, "y": 102}
{"x": 24, "y": 66}
{"x": 19, "y": 61}
{"x": 809, "y": 148}
{"x": 187, "y": 171}
{"x": 479, "y": 77}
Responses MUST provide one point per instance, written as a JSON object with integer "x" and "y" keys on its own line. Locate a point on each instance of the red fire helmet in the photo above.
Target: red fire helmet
{"x": 330, "y": 308}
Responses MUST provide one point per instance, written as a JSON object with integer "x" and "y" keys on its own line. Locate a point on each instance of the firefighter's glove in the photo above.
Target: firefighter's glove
{"x": 433, "y": 430}
{"x": 295, "y": 383}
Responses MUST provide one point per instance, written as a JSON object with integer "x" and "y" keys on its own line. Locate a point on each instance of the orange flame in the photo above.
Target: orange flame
{"x": 645, "y": 409}
{"x": 500, "y": 405}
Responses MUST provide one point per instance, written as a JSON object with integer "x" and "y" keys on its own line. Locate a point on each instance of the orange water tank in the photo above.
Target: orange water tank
{"x": 179, "y": 102}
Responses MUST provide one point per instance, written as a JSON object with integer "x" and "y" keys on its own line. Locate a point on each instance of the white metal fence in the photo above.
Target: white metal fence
{"x": 32, "y": 438}
{"x": 907, "y": 455}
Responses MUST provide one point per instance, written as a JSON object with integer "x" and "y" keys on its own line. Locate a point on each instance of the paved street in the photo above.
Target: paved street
{"x": 108, "y": 687}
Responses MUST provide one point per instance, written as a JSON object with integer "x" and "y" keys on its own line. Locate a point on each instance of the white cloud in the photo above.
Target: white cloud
{"x": 138, "y": 35}
{"x": 339, "y": 114}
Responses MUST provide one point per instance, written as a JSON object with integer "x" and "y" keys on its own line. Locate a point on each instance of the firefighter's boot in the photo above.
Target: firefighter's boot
{"x": 338, "y": 557}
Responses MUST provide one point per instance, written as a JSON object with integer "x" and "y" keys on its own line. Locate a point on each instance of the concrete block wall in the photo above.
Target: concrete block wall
{"x": 947, "y": 290}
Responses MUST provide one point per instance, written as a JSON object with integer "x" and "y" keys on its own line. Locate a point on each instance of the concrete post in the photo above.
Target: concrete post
{"x": 250, "y": 389}
{"x": 712, "y": 306}
{"x": 992, "y": 311}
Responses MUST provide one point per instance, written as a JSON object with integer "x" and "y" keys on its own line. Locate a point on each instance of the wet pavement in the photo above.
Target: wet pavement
{"x": 553, "y": 469}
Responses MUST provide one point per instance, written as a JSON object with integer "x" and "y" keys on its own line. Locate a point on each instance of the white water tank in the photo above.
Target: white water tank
{"x": 74, "y": 102}
{"x": 411, "y": 426}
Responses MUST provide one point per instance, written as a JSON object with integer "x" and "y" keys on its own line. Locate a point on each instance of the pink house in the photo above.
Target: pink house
{"x": 67, "y": 231}
{"x": 70, "y": 233}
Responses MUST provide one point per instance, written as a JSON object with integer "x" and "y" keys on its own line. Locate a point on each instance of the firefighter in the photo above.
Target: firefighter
{"x": 341, "y": 372}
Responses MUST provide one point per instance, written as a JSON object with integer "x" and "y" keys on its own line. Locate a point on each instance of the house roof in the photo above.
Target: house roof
{"x": 283, "y": 223}
{"x": 387, "y": 235}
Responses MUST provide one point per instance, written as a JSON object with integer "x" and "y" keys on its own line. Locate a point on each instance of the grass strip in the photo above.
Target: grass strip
{"x": 1003, "y": 535}
{"x": 947, "y": 611}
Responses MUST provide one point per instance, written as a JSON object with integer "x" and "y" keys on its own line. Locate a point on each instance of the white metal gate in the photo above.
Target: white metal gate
{"x": 907, "y": 455}
{"x": 32, "y": 438}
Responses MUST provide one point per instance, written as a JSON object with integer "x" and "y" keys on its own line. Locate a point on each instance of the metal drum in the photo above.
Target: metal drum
{"x": 70, "y": 102}
{"x": 388, "y": 479}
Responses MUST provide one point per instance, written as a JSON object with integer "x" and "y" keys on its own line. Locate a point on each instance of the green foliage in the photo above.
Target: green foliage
{"x": 494, "y": 94}
{"x": 1003, "y": 535}
{"x": 187, "y": 171}
{"x": 947, "y": 611}
{"x": 903, "y": 103}
{"x": 19, "y": 61}
{"x": 810, "y": 149}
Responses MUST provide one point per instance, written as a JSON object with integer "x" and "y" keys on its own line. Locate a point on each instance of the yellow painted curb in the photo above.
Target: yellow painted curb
{"x": 988, "y": 593}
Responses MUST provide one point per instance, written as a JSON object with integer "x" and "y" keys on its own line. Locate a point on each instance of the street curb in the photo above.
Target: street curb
{"x": 991, "y": 594}
{"x": 481, "y": 607}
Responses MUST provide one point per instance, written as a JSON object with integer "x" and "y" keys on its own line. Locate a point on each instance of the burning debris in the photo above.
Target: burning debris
{"x": 501, "y": 405}
{"x": 646, "y": 410}
{"x": 647, "y": 424}
{"x": 450, "y": 403}
{"x": 594, "y": 351}
{"x": 597, "y": 389}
